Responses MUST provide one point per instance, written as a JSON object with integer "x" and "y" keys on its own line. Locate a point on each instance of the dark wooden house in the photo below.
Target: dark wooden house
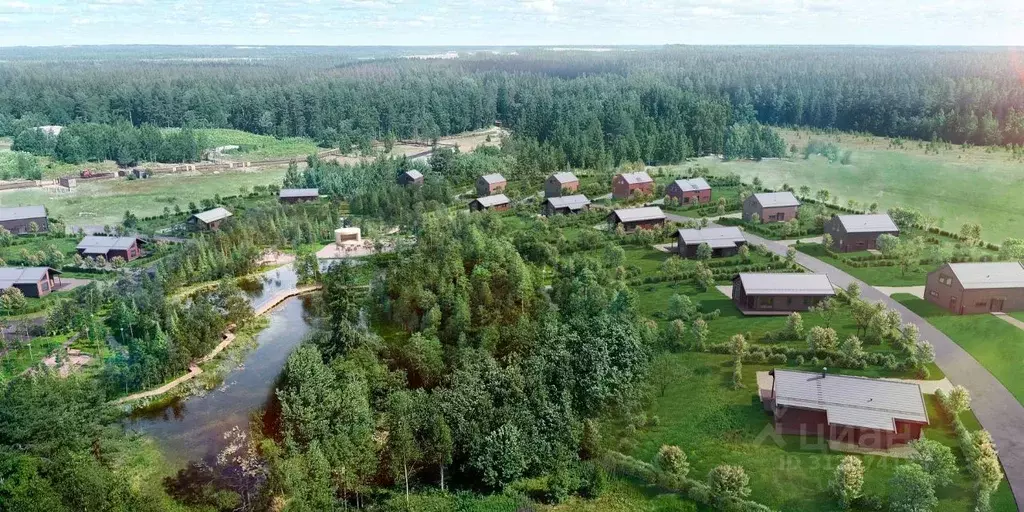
{"x": 722, "y": 241}
{"x": 561, "y": 183}
{"x": 860, "y": 411}
{"x": 110, "y": 247}
{"x": 209, "y": 220}
{"x": 497, "y": 202}
{"x": 971, "y": 288}
{"x": 691, "y": 191}
{"x": 490, "y": 184}
{"x": 19, "y": 219}
{"x": 566, "y": 204}
{"x": 298, "y": 195}
{"x": 779, "y": 294}
{"x": 771, "y": 207}
{"x": 650, "y": 217}
{"x": 629, "y": 184}
{"x": 32, "y": 281}
{"x": 410, "y": 177}
{"x": 852, "y": 233}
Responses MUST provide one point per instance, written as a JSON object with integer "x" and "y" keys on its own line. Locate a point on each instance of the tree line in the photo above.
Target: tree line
{"x": 120, "y": 142}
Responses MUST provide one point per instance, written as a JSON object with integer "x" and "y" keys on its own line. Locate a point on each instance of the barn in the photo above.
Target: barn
{"x": 649, "y": 217}
{"x": 629, "y": 184}
{"x": 771, "y": 207}
{"x": 724, "y": 241}
{"x": 851, "y": 233}
{"x": 566, "y": 204}
{"x": 779, "y": 294}
{"x": 559, "y": 183}
{"x": 497, "y": 202}
{"x": 210, "y": 219}
{"x": 691, "y": 191}
{"x": 298, "y": 195}
{"x": 972, "y": 288}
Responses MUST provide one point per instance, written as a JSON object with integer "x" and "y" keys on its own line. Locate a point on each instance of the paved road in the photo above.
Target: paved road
{"x": 997, "y": 409}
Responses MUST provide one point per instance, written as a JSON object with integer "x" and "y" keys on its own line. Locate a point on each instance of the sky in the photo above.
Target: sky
{"x": 511, "y": 22}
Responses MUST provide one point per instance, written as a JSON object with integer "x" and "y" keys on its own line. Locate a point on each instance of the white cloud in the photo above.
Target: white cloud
{"x": 546, "y": 6}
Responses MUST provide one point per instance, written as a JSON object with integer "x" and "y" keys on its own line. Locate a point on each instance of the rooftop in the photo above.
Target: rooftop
{"x": 786, "y": 284}
{"x": 565, "y": 177}
{"x": 102, "y": 244}
{"x": 22, "y": 212}
{"x": 777, "y": 199}
{"x": 639, "y": 214}
{"x": 874, "y": 223}
{"x": 493, "y": 178}
{"x": 1007, "y": 274}
{"x": 10, "y": 276}
{"x": 300, "y": 192}
{"x": 414, "y": 174}
{"x": 693, "y": 184}
{"x": 634, "y": 178}
{"x": 489, "y": 201}
{"x": 213, "y": 215}
{"x": 571, "y": 202}
{"x": 717, "y": 238}
{"x": 852, "y": 401}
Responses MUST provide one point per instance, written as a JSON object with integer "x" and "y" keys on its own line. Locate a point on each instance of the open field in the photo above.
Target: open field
{"x": 23, "y": 355}
{"x": 257, "y": 147}
{"x": 875, "y": 276}
{"x": 996, "y": 344}
{"x": 954, "y": 186}
{"x": 716, "y": 424}
{"x": 104, "y": 202}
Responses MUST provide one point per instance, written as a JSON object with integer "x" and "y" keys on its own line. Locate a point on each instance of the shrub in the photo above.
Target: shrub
{"x": 911, "y": 490}
{"x": 727, "y": 481}
{"x": 847, "y": 481}
{"x": 936, "y": 459}
{"x": 822, "y": 338}
{"x": 672, "y": 460}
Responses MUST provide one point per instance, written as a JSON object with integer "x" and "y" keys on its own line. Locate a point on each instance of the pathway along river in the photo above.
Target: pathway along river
{"x": 193, "y": 428}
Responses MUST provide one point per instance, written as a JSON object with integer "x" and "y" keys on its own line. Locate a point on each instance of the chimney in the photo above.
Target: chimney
{"x": 824, "y": 371}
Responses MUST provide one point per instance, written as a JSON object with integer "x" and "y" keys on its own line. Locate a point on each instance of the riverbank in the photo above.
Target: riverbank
{"x": 194, "y": 369}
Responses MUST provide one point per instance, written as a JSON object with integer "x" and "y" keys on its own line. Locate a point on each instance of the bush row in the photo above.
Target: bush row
{"x": 695, "y": 490}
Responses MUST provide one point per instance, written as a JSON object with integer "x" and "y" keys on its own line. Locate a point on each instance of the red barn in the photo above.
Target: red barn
{"x": 650, "y": 217}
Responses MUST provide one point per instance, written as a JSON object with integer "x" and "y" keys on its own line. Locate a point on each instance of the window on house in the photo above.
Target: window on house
{"x": 808, "y": 301}
{"x": 946, "y": 280}
{"x": 933, "y": 293}
{"x": 982, "y": 303}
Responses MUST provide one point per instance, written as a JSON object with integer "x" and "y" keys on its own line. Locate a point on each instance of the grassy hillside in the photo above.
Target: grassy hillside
{"x": 954, "y": 185}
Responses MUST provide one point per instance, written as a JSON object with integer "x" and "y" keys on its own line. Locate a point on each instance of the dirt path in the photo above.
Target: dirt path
{"x": 996, "y": 408}
{"x": 194, "y": 370}
{"x": 1011, "y": 320}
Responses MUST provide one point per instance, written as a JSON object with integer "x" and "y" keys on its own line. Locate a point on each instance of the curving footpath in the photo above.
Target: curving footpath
{"x": 996, "y": 408}
{"x": 194, "y": 370}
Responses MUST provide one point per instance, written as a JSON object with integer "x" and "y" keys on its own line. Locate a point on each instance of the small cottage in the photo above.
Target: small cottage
{"x": 559, "y": 183}
{"x": 852, "y": 233}
{"x": 566, "y": 204}
{"x": 691, "y": 191}
{"x": 860, "y": 411}
{"x": 497, "y": 202}
{"x": 410, "y": 177}
{"x": 298, "y": 195}
{"x": 722, "y": 241}
{"x": 629, "y": 184}
{"x": 779, "y": 294}
{"x": 209, "y": 220}
{"x": 971, "y": 288}
{"x": 19, "y": 219}
{"x": 490, "y": 184}
{"x": 650, "y": 217}
{"x": 33, "y": 282}
{"x": 110, "y": 247}
{"x": 771, "y": 207}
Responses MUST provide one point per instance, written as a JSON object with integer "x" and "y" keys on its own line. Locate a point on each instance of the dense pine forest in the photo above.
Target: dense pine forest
{"x": 588, "y": 109}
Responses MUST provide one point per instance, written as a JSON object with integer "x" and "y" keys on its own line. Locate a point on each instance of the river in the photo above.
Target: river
{"x": 193, "y": 428}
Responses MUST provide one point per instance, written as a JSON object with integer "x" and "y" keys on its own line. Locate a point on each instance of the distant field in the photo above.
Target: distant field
{"x": 104, "y": 202}
{"x": 953, "y": 186}
{"x": 257, "y": 147}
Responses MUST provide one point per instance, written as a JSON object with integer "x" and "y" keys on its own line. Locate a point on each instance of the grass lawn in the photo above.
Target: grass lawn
{"x": 257, "y": 147}
{"x": 13, "y": 254}
{"x": 104, "y": 202}
{"x": 716, "y": 424}
{"x": 956, "y": 185}
{"x": 875, "y": 276}
{"x": 1019, "y": 315}
{"x": 996, "y": 344}
{"x": 21, "y": 356}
